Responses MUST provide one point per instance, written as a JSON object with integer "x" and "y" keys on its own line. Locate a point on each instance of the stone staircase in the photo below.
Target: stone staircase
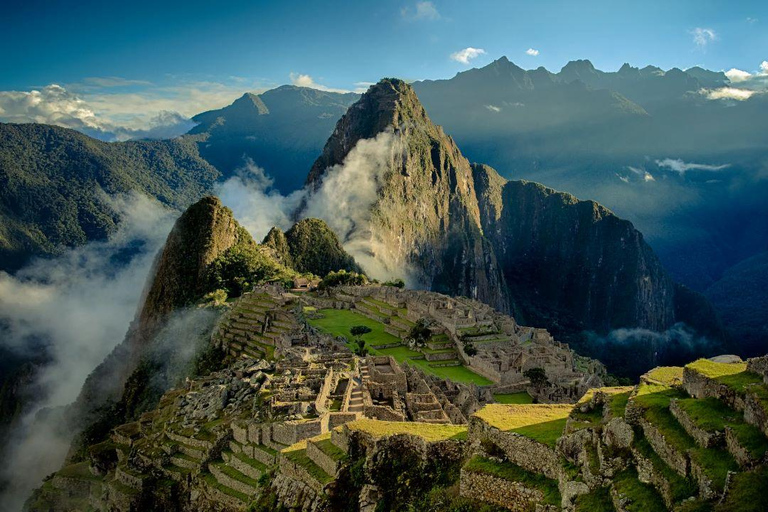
{"x": 254, "y": 326}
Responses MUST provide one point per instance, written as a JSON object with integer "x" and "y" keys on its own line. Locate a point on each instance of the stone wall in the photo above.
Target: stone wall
{"x": 700, "y": 386}
{"x": 702, "y": 437}
{"x": 759, "y": 365}
{"x": 511, "y": 495}
{"x": 520, "y": 450}
{"x": 675, "y": 459}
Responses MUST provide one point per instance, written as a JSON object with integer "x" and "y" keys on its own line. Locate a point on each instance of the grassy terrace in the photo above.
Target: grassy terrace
{"x": 641, "y": 497}
{"x": 655, "y": 400}
{"x": 680, "y": 487}
{"x": 428, "y": 431}
{"x": 514, "y": 473}
{"x": 513, "y": 398}
{"x": 716, "y": 464}
{"x": 666, "y": 375}
{"x": 79, "y": 471}
{"x": 541, "y": 422}
{"x": 297, "y": 453}
{"x": 338, "y": 322}
{"x": 712, "y": 415}
{"x": 747, "y": 493}
{"x": 733, "y": 375}
{"x": 212, "y": 482}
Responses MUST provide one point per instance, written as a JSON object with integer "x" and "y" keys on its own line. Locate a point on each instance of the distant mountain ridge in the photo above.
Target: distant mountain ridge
{"x": 281, "y": 130}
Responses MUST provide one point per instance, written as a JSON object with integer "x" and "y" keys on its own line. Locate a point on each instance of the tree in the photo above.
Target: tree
{"x": 538, "y": 378}
{"x": 469, "y": 348}
{"x": 358, "y": 331}
{"x": 420, "y": 333}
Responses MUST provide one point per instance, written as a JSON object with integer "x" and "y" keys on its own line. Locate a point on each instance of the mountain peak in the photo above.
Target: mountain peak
{"x": 390, "y": 103}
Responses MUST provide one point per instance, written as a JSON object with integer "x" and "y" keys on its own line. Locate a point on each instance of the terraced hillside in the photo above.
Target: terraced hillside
{"x": 683, "y": 439}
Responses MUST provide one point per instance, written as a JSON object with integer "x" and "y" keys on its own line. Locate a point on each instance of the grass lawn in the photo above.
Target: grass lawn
{"x": 540, "y": 422}
{"x": 455, "y": 373}
{"x": 339, "y": 321}
{"x": 680, "y": 487}
{"x": 514, "y": 473}
{"x": 428, "y": 431}
{"x": 513, "y": 398}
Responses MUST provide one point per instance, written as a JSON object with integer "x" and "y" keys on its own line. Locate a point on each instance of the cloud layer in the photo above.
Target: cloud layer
{"x": 467, "y": 54}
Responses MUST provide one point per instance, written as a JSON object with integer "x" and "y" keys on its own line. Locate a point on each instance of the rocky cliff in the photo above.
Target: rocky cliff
{"x": 572, "y": 262}
{"x": 425, "y": 214}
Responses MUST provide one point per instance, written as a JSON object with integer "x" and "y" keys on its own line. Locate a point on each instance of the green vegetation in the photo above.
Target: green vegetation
{"x": 541, "y": 422}
{"x": 641, "y": 497}
{"x": 330, "y": 449}
{"x": 747, "y": 492}
{"x": 712, "y": 415}
{"x": 618, "y": 404}
{"x": 298, "y": 455}
{"x": 342, "y": 278}
{"x": 715, "y": 463}
{"x": 431, "y": 432}
{"x": 538, "y": 378}
{"x": 655, "y": 400}
{"x": 513, "y": 398}
{"x": 51, "y": 176}
{"x": 733, "y": 375}
{"x": 514, "y": 473}
{"x": 598, "y": 500}
{"x": 455, "y": 373}
{"x": 244, "y": 265}
{"x": 212, "y": 482}
{"x": 339, "y": 322}
{"x": 680, "y": 487}
{"x": 315, "y": 249}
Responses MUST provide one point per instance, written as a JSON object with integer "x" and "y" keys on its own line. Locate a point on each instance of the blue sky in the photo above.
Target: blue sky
{"x": 182, "y": 56}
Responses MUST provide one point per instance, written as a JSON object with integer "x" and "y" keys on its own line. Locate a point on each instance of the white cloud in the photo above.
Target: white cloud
{"x": 467, "y": 54}
{"x": 421, "y": 11}
{"x": 737, "y": 75}
{"x": 493, "y": 108}
{"x": 751, "y": 20}
{"x": 532, "y": 52}
{"x": 764, "y": 67}
{"x": 112, "y": 108}
{"x": 728, "y": 93}
{"x": 302, "y": 80}
{"x": 703, "y": 36}
{"x": 678, "y": 165}
{"x": 361, "y": 87}
{"x": 642, "y": 173}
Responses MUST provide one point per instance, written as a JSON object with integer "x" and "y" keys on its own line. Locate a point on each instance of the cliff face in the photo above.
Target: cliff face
{"x": 572, "y": 262}
{"x": 425, "y": 213}
{"x": 202, "y": 233}
{"x": 178, "y": 279}
{"x": 460, "y": 228}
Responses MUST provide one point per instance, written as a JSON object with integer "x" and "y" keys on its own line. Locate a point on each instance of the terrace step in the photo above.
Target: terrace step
{"x": 240, "y": 461}
{"x": 226, "y": 495}
{"x": 232, "y": 478}
{"x": 184, "y": 461}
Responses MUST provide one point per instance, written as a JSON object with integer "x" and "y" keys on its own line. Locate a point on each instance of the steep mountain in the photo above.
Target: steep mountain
{"x": 555, "y": 261}
{"x": 425, "y": 217}
{"x": 50, "y": 178}
{"x": 281, "y": 130}
{"x": 310, "y": 246}
{"x": 571, "y": 262}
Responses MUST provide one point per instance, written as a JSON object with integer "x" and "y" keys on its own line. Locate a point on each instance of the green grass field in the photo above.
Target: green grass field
{"x": 338, "y": 322}
{"x": 513, "y": 398}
